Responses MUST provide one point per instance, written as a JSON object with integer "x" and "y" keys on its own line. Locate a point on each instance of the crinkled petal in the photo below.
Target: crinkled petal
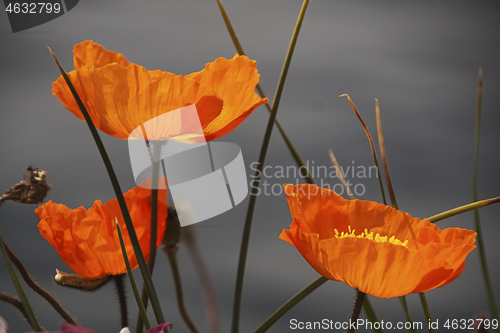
{"x": 120, "y": 99}
{"x": 92, "y": 54}
{"x": 87, "y": 241}
{"x": 233, "y": 80}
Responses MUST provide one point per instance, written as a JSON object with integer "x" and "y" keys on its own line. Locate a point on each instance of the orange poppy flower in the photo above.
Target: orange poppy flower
{"x": 120, "y": 96}
{"x": 87, "y": 240}
{"x": 370, "y": 246}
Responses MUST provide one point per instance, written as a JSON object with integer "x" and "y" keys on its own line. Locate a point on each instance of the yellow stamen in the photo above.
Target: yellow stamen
{"x": 370, "y": 236}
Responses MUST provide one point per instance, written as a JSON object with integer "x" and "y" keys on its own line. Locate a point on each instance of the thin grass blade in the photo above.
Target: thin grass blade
{"x": 258, "y": 173}
{"x": 239, "y": 48}
{"x": 372, "y": 145}
{"x": 28, "y": 311}
{"x": 142, "y": 310}
{"x": 477, "y": 221}
{"x": 463, "y": 209}
{"x": 290, "y": 304}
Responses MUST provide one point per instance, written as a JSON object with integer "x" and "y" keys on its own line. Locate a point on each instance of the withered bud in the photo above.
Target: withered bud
{"x": 31, "y": 190}
{"x": 79, "y": 282}
{"x": 174, "y": 232}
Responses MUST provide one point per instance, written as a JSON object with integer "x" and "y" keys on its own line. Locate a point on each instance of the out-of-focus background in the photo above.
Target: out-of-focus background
{"x": 420, "y": 59}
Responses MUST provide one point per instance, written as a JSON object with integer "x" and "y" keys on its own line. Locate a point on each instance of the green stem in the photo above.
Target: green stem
{"x": 371, "y": 315}
{"x": 142, "y": 310}
{"x": 171, "y": 252}
{"x": 360, "y": 298}
{"x": 239, "y": 48}
{"x": 206, "y": 281}
{"x": 258, "y": 175}
{"x": 290, "y": 304}
{"x": 154, "y": 154}
{"x": 20, "y": 292}
{"x": 402, "y": 299}
{"x": 119, "y": 195}
{"x": 38, "y": 289}
{"x": 463, "y": 209}
{"x": 477, "y": 221}
{"x": 427, "y": 312}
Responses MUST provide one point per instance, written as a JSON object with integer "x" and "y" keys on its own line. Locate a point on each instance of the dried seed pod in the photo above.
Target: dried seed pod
{"x": 31, "y": 190}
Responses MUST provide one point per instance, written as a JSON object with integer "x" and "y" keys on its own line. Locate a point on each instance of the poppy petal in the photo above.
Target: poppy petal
{"x": 350, "y": 241}
{"x": 233, "y": 80}
{"x": 120, "y": 99}
{"x": 87, "y": 241}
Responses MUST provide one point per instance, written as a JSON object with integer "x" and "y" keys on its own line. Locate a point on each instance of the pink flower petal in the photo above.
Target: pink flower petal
{"x": 160, "y": 328}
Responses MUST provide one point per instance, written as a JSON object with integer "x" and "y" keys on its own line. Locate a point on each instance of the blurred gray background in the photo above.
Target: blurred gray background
{"x": 420, "y": 59}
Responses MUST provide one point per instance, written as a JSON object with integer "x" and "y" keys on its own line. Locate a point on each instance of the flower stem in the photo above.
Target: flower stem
{"x": 427, "y": 312}
{"x": 258, "y": 174}
{"x": 463, "y": 209}
{"x": 171, "y": 252}
{"x": 360, "y": 298}
{"x": 14, "y": 302}
{"x": 371, "y": 315}
{"x": 154, "y": 153}
{"x": 402, "y": 299}
{"x": 122, "y": 299}
{"x": 206, "y": 281}
{"x": 28, "y": 311}
{"x": 290, "y": 304}
{"x": 119, "y": 196}
{"x": 140, "y": 305}
{"x": 477, "y": 221}
{"x": 38, "y": 289}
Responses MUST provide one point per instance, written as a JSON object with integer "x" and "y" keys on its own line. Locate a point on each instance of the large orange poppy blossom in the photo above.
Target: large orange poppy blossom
{"x": 121, "y": 96}
{"x": 380, "y": 250}
{"x": 87, "y": 240}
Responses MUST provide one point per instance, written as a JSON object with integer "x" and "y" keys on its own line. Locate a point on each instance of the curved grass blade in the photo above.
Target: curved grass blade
{"x": 239, "y": 48}
{"x": 372, "y": 145}
{"x": 258, "y": 174}
{"x": 463, "y": 209}
{"x": 155, "y": 303}
{"x": 290, "y": 304}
